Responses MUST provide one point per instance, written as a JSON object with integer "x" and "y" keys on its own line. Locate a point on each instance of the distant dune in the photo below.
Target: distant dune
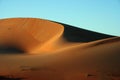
{"x": 38, "y": 49}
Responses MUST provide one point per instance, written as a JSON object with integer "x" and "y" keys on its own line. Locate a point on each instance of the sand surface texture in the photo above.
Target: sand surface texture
{"x": 37, "y": 49}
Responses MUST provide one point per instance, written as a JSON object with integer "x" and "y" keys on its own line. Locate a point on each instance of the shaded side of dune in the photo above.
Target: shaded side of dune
{"x": 74, "y": 34}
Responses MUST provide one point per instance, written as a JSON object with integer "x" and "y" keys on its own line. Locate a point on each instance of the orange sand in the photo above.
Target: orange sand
{"x": 28, "y": 34}
{"x": 55, "y": 57}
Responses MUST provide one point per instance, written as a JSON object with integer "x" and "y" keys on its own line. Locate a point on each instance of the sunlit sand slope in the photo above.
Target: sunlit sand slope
{"x": 28, "y": 34}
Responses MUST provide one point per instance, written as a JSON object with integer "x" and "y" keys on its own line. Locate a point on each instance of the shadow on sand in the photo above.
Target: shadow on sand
{"x": 10, "y": 50}
{"x": 9, "y": 78}
{"x": 74, "y": 34}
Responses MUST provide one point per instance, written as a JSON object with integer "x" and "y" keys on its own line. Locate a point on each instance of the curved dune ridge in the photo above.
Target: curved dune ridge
{"x": 64, "y": 52}
{"x": 28, "y": 34}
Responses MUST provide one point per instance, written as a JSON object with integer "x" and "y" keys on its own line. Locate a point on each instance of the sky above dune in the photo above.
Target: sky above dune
{"x": 96, "y": 15}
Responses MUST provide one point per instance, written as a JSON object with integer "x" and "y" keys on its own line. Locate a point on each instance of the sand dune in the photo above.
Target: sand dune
{"x": 28, "y": 34}
{"x": 59, "y": 51}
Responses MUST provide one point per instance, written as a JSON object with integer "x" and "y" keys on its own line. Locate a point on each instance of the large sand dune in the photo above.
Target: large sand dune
{"x": 56, "y": 51}
{"x": 28, "y": 34}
